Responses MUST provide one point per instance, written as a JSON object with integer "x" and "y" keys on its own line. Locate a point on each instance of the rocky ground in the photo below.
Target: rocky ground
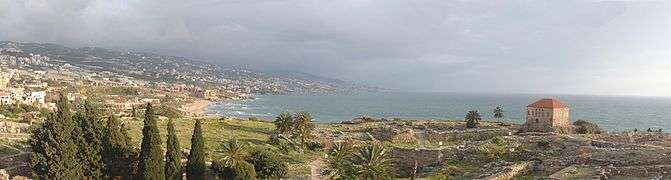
{"x": 439, "y": 149}
{"x": 494, "y": 150}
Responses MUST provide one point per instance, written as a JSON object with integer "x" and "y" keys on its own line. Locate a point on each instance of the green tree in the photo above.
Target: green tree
{"x": 241, "y": 171}
{"x": 151, "y": 154}
{"x": 498, "y": 112}
{"x": 284, "y": 123}
{"x": 195, "y": 168}
{"x": 586, "y": 127}
{"x": 118, "y": 153}
{"x": 267, "y": 165}
{"x": 303, "y": 127}
{"x": 173, "y": 157}
{"x": 372, "y": 162}
{"x": 54, "y": 146}
{"x": 233, "y": 152}
{"x": 90, "y": 141}
{"x": 472, "y": 119}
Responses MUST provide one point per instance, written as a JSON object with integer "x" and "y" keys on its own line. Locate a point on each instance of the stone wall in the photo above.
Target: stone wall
{"x": 13, "y": 127}
{"x": 404, "y": 159}
{"x": 638, "y": 171}
{"x": 510, "y": 172}
{"x": 545, "y": 119}
{"x": 465, "y": 135}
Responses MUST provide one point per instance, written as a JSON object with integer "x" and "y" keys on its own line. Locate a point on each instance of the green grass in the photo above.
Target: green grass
{"x": 216, "y": 132}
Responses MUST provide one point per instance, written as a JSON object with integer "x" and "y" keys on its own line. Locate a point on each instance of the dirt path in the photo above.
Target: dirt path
{"x": 316, "y": 168}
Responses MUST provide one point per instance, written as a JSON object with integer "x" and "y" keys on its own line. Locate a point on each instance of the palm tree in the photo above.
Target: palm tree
{"x": 303, "y": 127}
{"x": 234, "y": 152}
{"x": 372, "y": 162}
{"x": 284, "y": 123}
{"x": 472, "y": 119}
{"x": 498, "y": 112}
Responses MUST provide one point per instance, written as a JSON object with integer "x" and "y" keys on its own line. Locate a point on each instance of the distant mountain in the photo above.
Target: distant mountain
{"x": 171, "y": 69}
{"x": 314, "y": 78}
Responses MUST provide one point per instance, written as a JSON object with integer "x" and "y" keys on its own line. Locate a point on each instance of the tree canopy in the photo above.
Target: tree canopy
{"x": 151, "y": 165}
{"x": 473, "y": 119}
{"x": 195, "y": 169}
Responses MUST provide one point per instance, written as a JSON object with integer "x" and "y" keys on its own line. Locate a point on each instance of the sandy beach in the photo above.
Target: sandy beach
{"x": 197, "y": 108}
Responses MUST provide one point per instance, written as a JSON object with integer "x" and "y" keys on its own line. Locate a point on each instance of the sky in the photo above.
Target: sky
{"x": 615, "y": 47}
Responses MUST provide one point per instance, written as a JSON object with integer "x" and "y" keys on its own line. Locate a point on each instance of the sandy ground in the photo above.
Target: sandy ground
{"x": 196, "y": 108}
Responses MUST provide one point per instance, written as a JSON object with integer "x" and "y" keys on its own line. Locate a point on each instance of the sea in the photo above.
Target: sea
{"x": 612, "y": 113}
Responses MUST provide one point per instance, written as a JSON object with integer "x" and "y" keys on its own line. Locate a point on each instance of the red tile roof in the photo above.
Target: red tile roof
{"x": 547, "y": 103}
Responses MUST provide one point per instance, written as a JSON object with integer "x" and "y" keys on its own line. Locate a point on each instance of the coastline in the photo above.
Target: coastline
{"x": 197, "y": 108}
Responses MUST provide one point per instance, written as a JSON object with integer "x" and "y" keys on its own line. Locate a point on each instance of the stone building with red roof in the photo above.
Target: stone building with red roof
{"x": 546, "y": 115}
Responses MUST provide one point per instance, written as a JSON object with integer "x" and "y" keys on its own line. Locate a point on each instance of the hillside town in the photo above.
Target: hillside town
{"x": 123, "y": 81}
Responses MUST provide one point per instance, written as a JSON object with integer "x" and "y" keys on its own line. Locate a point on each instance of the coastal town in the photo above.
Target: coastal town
{"x": 124, "y": 81}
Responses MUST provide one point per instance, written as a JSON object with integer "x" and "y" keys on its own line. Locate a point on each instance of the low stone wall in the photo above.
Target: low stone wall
{"x": 606, "y": 144}
{"x": 17, "y": 164}
{"x": 510, "y": 172}
{"x": 465, "y": 135}
{"x": 404, "y": 159}
{"x": 638, "y": 171}
{"x": 13, "y": 127}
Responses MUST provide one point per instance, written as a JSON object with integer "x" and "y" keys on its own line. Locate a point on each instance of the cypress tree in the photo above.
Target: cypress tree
{"x": 118, "y": 154}
{"x": 54, "y": 147}
{"x": 150, "y": 165}
{"x": 195, "y": 169}
{"x": 116, "y": 143}
{"x": 90, "y": 141}
{"x": 173, "y": 157}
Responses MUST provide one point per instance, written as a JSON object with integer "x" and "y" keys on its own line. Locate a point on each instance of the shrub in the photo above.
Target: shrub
{"x": 498, "y": 140}
{"x": 493, "y": 151}
{"x": 543, "y": 143}
{"x": 239, "y": 171}
{"x": 315, "y": 146}
{"x": 585, "y": 127}
{"x": 281, "y": 144}
{"x": 267, "y": 164}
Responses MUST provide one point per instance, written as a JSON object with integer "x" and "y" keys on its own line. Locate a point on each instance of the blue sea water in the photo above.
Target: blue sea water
{"x": 613, "y": 113}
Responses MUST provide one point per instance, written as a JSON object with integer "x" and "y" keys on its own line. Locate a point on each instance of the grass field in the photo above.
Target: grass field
{"x": 216, "y": 132}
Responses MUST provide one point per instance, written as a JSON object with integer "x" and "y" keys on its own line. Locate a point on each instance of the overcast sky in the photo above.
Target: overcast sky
{"x": 522, "y": 46}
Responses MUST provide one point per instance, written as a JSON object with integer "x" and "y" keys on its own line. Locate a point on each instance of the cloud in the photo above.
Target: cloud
{"x": 423, "y": 45}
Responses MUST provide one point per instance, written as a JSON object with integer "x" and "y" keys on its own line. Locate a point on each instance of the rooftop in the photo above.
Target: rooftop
{"x": 547, "y": 103}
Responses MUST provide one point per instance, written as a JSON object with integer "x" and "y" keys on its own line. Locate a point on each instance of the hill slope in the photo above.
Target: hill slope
{"x": 171, "y": 69}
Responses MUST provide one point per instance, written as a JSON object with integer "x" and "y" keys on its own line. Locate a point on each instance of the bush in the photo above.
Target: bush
{"x": 281, "y": 144}
{"x": 315, "y": 146}
{"x": 543, "y": 143}
{"x": 267, "y": 164}
{"x": 493, "y": 151}
{"x": 498, "y": 140}
{"x": 240, "y": 171}
{"x": 168, "y": 111}
{"x": 585, "y": 127}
